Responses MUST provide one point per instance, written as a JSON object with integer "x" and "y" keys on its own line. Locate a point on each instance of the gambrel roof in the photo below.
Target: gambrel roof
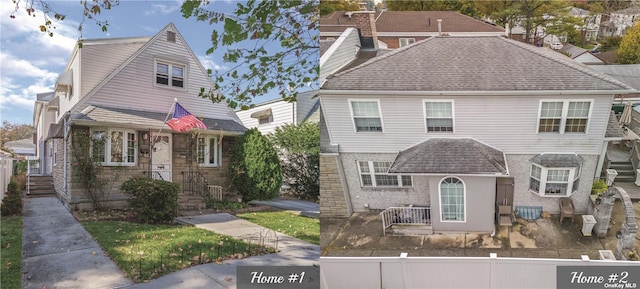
{"x": 468, "y": 64}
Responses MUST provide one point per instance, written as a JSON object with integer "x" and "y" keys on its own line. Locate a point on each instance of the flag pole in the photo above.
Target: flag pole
{"x": 173, "y": 106}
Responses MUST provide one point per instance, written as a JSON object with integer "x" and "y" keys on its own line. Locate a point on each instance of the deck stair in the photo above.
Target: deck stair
{"x": 625, "y": 171}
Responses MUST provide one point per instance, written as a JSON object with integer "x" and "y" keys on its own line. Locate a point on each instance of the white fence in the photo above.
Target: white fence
{"x": 445, "y": 272}
{"x": 6, "y": 170}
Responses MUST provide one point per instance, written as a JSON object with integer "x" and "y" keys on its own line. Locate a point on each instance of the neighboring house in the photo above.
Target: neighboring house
{"x": 450, "y": 122}
{"x": 45, "y": 113}
{"x": 580, "y": 54}
{"x": 630, "y": 75}
{"x": 22, "y": 148}
{"x": 121, "y": 91}
{"x": 619, "y": 21}
{"x": 394, "y": 29}
{"x": 269, "y": 115}
{"x": 591, "y": 26}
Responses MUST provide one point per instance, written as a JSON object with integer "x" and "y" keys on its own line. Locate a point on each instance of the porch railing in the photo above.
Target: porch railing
{"x": 405, "y": 216}
{"x": 157, "y": 176}
{"x": 194, "y": 183}
{"x": 635, "y": 155}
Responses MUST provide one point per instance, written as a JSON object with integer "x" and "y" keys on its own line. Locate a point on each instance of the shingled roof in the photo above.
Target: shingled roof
{"x": 450, "y": 156}
{"x": 411, "y": 21}
{"x": 481, "y": 63}
{"x": 145, "y": 119}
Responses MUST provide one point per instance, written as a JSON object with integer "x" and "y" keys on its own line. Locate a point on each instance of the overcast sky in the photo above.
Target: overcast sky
{"x": 31, "y": 61}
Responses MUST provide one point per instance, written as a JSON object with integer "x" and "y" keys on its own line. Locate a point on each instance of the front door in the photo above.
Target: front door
{"x": 161, "y": 156}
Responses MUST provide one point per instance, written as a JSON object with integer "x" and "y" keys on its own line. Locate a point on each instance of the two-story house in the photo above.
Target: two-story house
{"x": 619, "y": 21}
{"x": 121, "y": 92}
{"x": 449, "y": 122}
{"x": 394, "y": 29}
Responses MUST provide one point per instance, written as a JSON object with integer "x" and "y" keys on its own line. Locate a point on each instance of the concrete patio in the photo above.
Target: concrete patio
{"x": 361, "y": 235}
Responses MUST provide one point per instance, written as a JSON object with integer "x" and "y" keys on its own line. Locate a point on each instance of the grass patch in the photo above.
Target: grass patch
{"x": 147, "y": 251}
{"x": 226, "y": 205}
{"x": 288, "y": 223}
{"x": 10, "y": 252}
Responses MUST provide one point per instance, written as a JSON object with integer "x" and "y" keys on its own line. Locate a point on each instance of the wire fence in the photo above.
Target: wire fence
{"x": 147, "y": 262}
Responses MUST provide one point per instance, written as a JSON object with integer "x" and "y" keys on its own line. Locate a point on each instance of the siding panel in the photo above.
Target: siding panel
{"x": 507, "y": 123}
{"x": 344, "y": 52}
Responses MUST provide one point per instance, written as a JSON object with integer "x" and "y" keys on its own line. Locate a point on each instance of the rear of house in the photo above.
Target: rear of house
{"x": 117, "y": 94}
{"x": 458, "y": 126}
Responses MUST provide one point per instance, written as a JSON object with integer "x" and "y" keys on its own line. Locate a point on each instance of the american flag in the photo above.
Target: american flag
{"x": 183, "y": 120}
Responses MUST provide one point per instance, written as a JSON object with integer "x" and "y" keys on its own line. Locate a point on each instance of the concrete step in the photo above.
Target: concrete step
{"x": 411, "y": 230}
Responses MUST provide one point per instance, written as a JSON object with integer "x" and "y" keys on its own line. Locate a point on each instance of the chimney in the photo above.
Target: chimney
{"x": 439, "y": 27}
{"x": 366, "y": 25}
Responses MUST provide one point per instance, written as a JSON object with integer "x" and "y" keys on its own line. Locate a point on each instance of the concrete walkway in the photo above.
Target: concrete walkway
{"x": 306, "y": 208}
{"x": 58, "y": 252}
{"x": 293, "y": 252}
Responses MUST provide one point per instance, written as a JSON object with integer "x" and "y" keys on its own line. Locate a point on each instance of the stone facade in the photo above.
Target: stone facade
{"x": 73, "y": 195}
{"x": 364, "y": 199}
{"x": 520, "y": 168}
{"x": 333, "y": 202}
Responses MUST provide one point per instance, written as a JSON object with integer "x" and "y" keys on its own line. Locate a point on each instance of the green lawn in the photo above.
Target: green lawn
{"x": 147, "y": 251}
{"x": 288, "y": 223}
{"x": 10, "y": 252}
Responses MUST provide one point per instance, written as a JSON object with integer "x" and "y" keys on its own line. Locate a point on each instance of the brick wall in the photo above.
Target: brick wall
{"x": 332, "y": 196}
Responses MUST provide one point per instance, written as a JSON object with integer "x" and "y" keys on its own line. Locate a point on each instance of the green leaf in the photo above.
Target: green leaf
{"x": 188, "y": 7}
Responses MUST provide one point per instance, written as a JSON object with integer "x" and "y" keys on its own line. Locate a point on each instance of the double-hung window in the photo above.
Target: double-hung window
{"x": 438, "y": 116}
{"x": 374, "y": 174}
{"x": 209, "y": 151}
{"x": 366, "y": 115}
{"x": 114, "y": 146}
{"x": 564, "y": 116}
{"x": 170, "y": 74}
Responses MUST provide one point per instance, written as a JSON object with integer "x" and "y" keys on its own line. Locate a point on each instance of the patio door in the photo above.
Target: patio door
{"x": 504, "y": 191}
{"x": 161, "y": 156}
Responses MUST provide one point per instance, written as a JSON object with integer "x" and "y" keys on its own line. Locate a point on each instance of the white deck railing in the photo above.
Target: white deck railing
{"x": 405, "y": 216}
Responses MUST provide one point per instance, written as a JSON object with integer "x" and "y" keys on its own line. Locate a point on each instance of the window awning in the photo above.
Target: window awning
{"x": 558, "y": 160}
{"x": 55, "y": 131}
{"x": 450, "y": 156}
{"x": 261, "y": 113}
{"x": 65, "y": 79}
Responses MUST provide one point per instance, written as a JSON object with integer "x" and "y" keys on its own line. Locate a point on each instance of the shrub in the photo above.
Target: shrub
{"x": 255, "y": 168}
{"x": 153, "y": 201}
{"x": 599, "y": 187}
{"x": 300, "y": 155}
{"x": 226, "y": 205}
{"x": 12, "y": 202}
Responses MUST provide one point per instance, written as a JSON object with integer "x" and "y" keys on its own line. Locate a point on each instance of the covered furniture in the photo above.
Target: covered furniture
{"x": 566, "y": 209}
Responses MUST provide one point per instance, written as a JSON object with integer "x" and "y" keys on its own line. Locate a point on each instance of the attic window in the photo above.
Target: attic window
{"x": 171, "y": 36}
{"x": 169, "y": 74}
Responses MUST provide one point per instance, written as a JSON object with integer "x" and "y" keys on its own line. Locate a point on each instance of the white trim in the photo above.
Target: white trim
{"x": 372, "y": 173}
{"x": 125, "y": 146}
{"x": 408, "y": 40}
{"x": 353, "y": 121}
{"x": 170, "y": 65}
{"x": 453, "y": 116}
{"x": 522, "y": 93}
{"x": 436, "y": 33}
{"x": 217, "y": 158}
{"x": 464, "y": 194}
{"x": 564, "y": 115}
{"x": 544, "y": 171}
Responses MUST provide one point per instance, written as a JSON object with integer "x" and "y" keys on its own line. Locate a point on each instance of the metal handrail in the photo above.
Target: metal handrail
{"x": 405, "y": 216}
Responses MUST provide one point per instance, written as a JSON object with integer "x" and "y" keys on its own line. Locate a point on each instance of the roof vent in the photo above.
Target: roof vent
{"x": 171, "y": 36}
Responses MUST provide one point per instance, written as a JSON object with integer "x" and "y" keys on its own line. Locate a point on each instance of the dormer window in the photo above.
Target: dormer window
{"x": 170, "y": 74}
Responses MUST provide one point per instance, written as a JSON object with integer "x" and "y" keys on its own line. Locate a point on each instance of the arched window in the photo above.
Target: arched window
{"x": 452, "y": 199}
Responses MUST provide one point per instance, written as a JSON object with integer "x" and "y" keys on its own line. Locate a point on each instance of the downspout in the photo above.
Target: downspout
{"x": 64, "y": 166}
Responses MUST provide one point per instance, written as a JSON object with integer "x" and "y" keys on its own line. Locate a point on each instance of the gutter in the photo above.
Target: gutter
{"x": 492, "y": 93}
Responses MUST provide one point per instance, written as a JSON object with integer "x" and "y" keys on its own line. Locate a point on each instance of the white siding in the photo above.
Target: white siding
{"x": 507, "y": 123}
{"x": 305, "y": 102}
{"x": 66, "y": 103}
{"x": 342, "y": 52}
{"x": 281, "y": 111}
{"x": 134, "y": 86}
{"x": 99, "y": 60}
